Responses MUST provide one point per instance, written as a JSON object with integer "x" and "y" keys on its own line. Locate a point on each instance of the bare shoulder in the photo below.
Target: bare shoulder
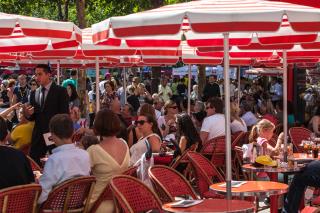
{"x": 154, "y": 139}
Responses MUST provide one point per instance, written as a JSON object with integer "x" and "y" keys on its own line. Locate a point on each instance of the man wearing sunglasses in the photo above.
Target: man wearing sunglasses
{"x": 213, "y": 124}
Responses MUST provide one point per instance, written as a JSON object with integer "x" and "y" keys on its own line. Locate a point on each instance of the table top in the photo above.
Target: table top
{"x": 251, "y": 168}
{"x": 253, "y": 188}
{"x": 302, "y": 157}
{"x": 215, "y": 205}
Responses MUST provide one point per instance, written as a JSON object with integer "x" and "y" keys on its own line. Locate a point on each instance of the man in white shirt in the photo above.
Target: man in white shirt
{"x": 67, "y": 161}
{"x": 214, "y": 124}
{"x": 164, "y": 90}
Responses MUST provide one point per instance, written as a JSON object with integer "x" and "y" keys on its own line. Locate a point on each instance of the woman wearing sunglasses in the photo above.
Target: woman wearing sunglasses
{"x": 166, "y": 123}
{"x": 148, "y": 127}
{"x": 133, "y": 131}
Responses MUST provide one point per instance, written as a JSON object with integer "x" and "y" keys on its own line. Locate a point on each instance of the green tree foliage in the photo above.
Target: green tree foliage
{"x": 65, "y": 10}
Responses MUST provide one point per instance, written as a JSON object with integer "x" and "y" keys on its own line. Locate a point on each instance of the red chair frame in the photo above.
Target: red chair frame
{"x": 297, "y": 134}
{"x": 34, "y": 165}
{"x": 168, "y": 183}
{"x": 134, "y": 196}
{"x": 22, "y": 198}
{"x": 70, "y": 196}
{"x": 107, "y": 194}
{"x": 205, "y": 173}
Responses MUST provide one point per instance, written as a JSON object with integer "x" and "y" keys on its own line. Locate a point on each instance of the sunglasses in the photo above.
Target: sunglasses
{"x": 174, "y": 107}
{"x": 208, "y": 107}
{"x": 141, "y": 122}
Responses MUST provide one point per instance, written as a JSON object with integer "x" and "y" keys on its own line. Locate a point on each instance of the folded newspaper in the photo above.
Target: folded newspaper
{"x": 234, "y": 183}
{"x": 185, "y": 203}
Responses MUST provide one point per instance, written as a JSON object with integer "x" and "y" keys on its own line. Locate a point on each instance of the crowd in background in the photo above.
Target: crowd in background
{"x": 120, "y": 133}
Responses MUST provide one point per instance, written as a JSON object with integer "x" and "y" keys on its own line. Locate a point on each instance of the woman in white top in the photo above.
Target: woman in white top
{"x": 237, "y": 123}
{"x": 147, "y": 125}
{"x": 108, "y": 158}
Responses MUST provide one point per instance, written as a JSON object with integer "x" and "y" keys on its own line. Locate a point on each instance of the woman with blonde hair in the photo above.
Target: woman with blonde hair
{"x": 237, "y": 123}
{"x": 261, "y": 134}
{"x": 167, "y": 121}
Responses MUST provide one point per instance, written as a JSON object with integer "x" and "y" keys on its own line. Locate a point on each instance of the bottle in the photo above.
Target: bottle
{"x": 254, "y": 154}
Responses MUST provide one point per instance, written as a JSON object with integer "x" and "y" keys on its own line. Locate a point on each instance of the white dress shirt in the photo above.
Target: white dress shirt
{"x": 45, "y": 92}
{"x": 67, "y": 161}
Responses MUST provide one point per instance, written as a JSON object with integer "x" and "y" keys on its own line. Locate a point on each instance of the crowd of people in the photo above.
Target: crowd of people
{"x": 121, "y": 132}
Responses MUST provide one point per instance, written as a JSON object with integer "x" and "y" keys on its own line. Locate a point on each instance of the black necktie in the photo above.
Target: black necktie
{"x": 43, "y": 96}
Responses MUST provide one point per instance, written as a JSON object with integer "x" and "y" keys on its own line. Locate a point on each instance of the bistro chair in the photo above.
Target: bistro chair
{"x": 22, "y": 198}
{"x": 310, "y": 209}
{"x": 297, "y": 134}
{"x": 70, "y": 196}
{"x": 34, "y": 165}
{"x": 215, "y": 149}
{"x": 181, "y": 163}
{"x": 237, "y": 163}
{"x": 237, "y": 137}
{"x": 134, "y": 196}
{"x": 107, "y": 194}
{"x": 205, "y": 175}
{"x": 168, "y": 184}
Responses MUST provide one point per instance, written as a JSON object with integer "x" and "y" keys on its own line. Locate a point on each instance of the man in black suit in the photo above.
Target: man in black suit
{"x": 45, "y": 102}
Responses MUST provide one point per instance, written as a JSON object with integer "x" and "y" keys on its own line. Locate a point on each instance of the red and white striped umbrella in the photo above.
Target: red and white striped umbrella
{"x": 27, "y": 34}
{"x": 287, "y": 22}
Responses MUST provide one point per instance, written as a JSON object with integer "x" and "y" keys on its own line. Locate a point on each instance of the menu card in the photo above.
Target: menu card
{"x": 234, "y": 183}
{"x": 185, "y": 203}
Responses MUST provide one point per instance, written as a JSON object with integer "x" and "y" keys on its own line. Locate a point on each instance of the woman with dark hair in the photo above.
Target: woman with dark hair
{"x": 187, "y": 134}
{"x": 15, "y": 168}
{"x": 74, "y": 100}
{"x": 148, "y": 127}
{"x": 134, "y": 133}
{"x": 109, "y": 94}
{"x": 314, "y": 123}
{"x": 108, "y": 158}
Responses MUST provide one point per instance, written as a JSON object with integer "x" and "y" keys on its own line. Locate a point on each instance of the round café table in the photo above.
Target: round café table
{"x": 302, "y": 157}
{"x": 215, "y": 205}
{"x": 273, "y": 175}
{"x": 253, "y": 188}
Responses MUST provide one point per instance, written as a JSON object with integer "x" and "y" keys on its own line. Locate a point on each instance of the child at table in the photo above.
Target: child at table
{"x": 260, "y": 136}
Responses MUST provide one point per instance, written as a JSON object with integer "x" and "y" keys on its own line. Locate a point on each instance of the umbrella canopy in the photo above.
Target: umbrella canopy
{"x": 198, "y": 20}
{"x": 27, "y": 34}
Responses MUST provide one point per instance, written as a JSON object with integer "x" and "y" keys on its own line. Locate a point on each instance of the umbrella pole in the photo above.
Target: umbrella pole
{"x": 239, "y": 84}
{"x": 227, "y": 113}
{"x": 285, "y": 104}
{"x": 189, "y": 88}
{"x": 58, "y": 72}
{"x": 97, "y": 85}
{"x": 125, "y": 85}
